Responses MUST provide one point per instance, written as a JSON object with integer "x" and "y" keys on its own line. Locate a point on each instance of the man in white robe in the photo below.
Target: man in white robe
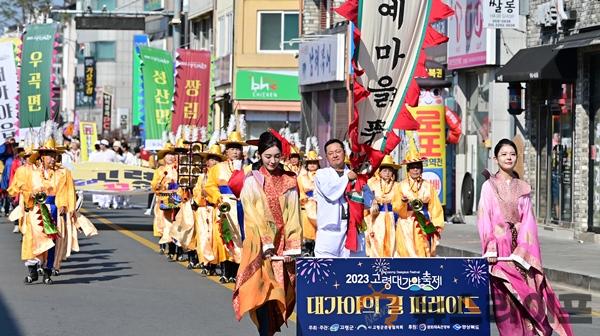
{"x": 332, "y": 206}
{"x": 105, "y": 154}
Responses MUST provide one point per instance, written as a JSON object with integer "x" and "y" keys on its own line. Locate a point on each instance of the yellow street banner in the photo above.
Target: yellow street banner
{"x": 107, "y": 178}
{"x": 88, "y": 135}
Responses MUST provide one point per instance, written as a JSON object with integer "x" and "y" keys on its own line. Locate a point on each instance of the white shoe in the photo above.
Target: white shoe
{"x": 16, "y": 229}
{"x": 148, "y": 212}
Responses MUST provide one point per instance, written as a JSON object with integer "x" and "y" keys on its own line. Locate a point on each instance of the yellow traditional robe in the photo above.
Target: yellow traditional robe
{"x": 411, "y": 241}
{"x": 306, "y": 187}
{"x": 381, "y": 223}
{"x": 163, "y": 219}
{"x": 261, "y": 281}
{"x": 210, "y": 247}
{"x": 219, "y": 176}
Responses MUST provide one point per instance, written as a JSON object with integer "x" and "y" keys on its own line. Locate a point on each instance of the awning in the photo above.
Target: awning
{"x": 580, "y": 40}
{"x": 539, "y": 63}
{"x": 266, "y": 105}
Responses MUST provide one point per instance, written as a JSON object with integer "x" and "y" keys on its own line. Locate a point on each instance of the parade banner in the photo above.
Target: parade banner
{"x": 88, "y": 135}
{"x": 432, "y": 144}
{"x": 157, "y": 71}
{"x": 106, "y": 178}
{"x": 392, "y": 35}
{"x": 89, "y": 68}
{"x": 393, "y": 296}
{"x": 35, "y": 85}
{"x": 106, "y": 112}
{"x": 192, "y": 84}
{"x": 137, "y": 94}
{"x": 8, "y": 92}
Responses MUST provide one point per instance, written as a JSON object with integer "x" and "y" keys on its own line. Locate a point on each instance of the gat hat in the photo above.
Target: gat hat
{"x": 388, "y": 162}
{"x": 312, "y": 149}
{"x": 412, "y": 154}
{"x": 215, "y": 150}
{"x": 312, "y": 156}
{"x": 48, "y": 136}
{"x": 235, "y": 131}
{"x": 167, "y": 149}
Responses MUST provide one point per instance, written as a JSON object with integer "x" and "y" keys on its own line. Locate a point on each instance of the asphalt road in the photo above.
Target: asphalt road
{"x": 119, "y": 285}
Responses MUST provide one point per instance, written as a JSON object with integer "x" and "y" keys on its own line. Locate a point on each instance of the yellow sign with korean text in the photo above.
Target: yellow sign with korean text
{"x": 88, "y": 134}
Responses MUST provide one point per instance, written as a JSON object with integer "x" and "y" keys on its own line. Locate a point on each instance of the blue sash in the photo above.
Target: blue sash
{"x": 226, "y": 190}
{"x": 388, "y": 207}
{"x": 310, "y": 193}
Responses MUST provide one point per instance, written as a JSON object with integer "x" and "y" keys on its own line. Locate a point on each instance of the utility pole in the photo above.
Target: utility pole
{"x": 176, "y": 23}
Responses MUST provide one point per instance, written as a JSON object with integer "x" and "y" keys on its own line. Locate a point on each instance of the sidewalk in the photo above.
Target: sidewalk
{"x": 565, "y": 260}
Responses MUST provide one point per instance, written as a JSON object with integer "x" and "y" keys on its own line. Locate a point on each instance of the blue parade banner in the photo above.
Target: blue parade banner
{"x": 393, "y": 296}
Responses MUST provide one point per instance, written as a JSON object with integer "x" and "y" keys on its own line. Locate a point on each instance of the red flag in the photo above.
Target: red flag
{"x": 192, "y": 84}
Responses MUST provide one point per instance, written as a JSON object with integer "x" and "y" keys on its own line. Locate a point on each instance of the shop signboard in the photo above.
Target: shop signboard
{"x": 470, "y": 44}
{"x": 266, "y": 85}
{"x": 322, "y": 60}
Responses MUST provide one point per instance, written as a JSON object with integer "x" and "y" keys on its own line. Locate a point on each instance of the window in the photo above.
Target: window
{"x": 202, "y": 34}
{"x": 105, "y": 51}
{"x": 99, "y": 4}
{"x": 225, "y": 32}
{"x": 276, "y": 29}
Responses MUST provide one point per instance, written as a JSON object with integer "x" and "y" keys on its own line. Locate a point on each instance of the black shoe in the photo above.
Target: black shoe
{"x": 32, "y": 276}
{"x": 231, "y": 280}
{"x": 40, "y": 271}
{"x": 223, "y": 279}
{"x": 55, "y": 272}
{"x": 47, "y": 274}
{"x": 161, "y": 251}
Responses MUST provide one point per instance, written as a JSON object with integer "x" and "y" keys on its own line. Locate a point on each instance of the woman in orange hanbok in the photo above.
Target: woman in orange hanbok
{"x": 265, "y": 288}
{"x": 381, "y": 220}
{"x": 306, "y": 187}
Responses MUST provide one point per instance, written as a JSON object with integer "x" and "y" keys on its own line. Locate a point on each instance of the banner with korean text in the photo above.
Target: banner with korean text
{"x": 392, "y": 34}
{"x": 88, "y": 136}
{"x": 157, "y": 71}
{"x": 112, "y": 178}
{"x": 106, "y": 113}
{"x": 89, "y": 85}
{"x": 192, "y": 87}
{"x": 35, "y": 84}
{"x": 432, "y": 144}
{"x": 137, "y": 94}
{"x": 8, "y": 92}
{"x": 392, "y": 296}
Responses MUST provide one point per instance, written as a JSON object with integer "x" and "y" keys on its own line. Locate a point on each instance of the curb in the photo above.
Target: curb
{"x": 581, "y": 281}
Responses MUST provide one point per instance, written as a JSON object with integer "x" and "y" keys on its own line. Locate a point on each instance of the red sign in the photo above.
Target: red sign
{"x": 106, "y": 112}
{"x": 192, "y": 84}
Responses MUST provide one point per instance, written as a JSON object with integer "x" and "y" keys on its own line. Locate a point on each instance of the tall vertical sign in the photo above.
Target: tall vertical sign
{"x": 106, "y": 112}
{"x": 192, "y": 87}
{"x": 8, "y": 92}
{"x": 88, "y": 135}
{"x": 89, "y": 67}
{"x": 137, "y": 94}
{"x": 157, "y": 71}
{"x": 35, "y": 85}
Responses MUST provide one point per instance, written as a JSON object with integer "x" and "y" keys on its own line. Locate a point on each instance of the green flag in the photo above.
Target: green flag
{"x": 157, "y": 71}
{"x": 136, "y": 109}
{"x": 36, "y": 70}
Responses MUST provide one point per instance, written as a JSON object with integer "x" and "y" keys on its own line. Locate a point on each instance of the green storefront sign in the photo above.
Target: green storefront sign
{"x": 264, "y": 85}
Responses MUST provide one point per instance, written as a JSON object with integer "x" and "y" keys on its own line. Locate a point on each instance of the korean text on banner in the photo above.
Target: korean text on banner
{"x": 157, "y": 70}
{"x": 405, "y": 296}
{"x": 36, "y": 72}
{"x": 8, "y": 92}
{"x": 89, "y": 65}
{"x": 109, "y": 177}
{"x": 432, "y": 143}
{"x": 192, "y": 87}
{"x": 106, "y": 112}
{"x": 501, "y": 14}
{"x": 137, "y": 89}
{"x": 392, "y": 35}
{"x": 88, "y": 135}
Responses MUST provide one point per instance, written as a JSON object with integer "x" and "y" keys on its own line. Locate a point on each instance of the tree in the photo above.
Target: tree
{"x": 20, "y": 12}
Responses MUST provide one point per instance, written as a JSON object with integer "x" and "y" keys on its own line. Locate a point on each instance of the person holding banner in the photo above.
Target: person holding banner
{"x": 381, "y": 219}
{"x": 524, "y": 302}
{"x": 421, "y": 221}
{"x": 333, "y": 211}
{"x": 265, "y": 288}
{"x": 306, "y": 186}
{"x": 223, "y": 183}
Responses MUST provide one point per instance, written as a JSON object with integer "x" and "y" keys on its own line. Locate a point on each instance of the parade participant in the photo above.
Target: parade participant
{"x": 381, "y": 220}
{"x": 223, "y": 178}
{"x": 104, "y": 154}
{"x": 48, "y": 234}
{"x": 210, "y": 248}
{"x": 165, "y": 187}
{"x": 508, "y": 229}
{"x": 266, "y": 285}
{"x": 16, "y": 164}
{"x": 7, "y": 154}
{"x": 421, "y": 219}
{"x": 306, "y": 186}
{"x": 19, "y": 183}
{"x": 332, "y": 205}
{"x": 293, "y": 163}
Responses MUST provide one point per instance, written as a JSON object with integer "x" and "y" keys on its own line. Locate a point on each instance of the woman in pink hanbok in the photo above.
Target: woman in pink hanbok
{"x": 524, "y": 302}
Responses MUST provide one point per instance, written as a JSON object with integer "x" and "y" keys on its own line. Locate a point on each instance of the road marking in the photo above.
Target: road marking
{"x": 153, "y": 246}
